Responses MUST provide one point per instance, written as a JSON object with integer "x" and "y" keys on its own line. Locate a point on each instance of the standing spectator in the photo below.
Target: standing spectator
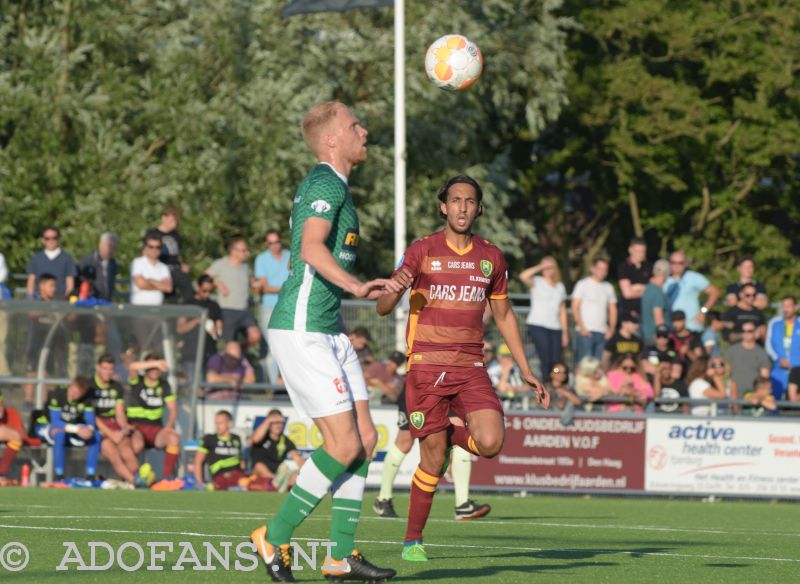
{"x": 706, "y": 382}
{"x": 783, "y": 344}
{"x": 191, "y": 329}
{"x": 744, "y": 312}
{"x": 5, "y": 294}
{"x": 683, "y": 290}
{"x": 669, "y": 386}
{"x": 383, "y": 380}
{"x": 746, "y": 268}
{"x": 271, "y": 271}
{"x": 655, "y": 311}
{"x": 229, "y": 367}
{"x": 710, "y": 337}
{"x": 232, "y": 278}
{"x": 624, "y": 341}
{"x": 633, "y": 275}
{"x": 52, "y": 260}
{"x": 594, "y": 308}
{"x": 625, "y": 380}
{"x": 685, "y": 342}
{"x": 150, "y": 279}
{"x": 104, "y": 264}
{"x": 547, "y": 318}
{"x": 171, "y": 245}
{"x": 748, "y": 359}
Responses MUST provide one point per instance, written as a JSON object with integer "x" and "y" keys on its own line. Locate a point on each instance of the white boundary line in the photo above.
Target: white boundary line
{"x": 441, "y": 545}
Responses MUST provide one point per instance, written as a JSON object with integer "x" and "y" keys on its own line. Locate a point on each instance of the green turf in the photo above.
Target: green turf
{"x": 531, "y": 539}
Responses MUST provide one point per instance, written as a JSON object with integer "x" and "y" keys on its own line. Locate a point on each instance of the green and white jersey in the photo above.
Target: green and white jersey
{"x": 307, "y": 302}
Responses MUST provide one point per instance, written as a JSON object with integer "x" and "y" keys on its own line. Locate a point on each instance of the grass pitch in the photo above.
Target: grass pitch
{"x": 530, "y": 539}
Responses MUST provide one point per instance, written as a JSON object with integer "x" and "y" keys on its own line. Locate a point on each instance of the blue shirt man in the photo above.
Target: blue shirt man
{"x": 783, "y": 345}
{"x": 683, "y": 290}
{"x": 272, "y": 269}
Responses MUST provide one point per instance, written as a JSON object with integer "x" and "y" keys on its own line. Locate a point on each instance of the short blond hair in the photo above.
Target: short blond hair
{"x": 316, "y": 120}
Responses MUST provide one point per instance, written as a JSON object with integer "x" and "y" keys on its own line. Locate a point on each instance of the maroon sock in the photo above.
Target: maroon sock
{"x": 460, "y": 436}
{"x": 12, "y": 448}
{"x": 170, "y": 460}
{"x": 423, "y": 487}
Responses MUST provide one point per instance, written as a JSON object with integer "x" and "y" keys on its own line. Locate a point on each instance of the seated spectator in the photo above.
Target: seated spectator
{"x": 359, "y": 337}
{"x": 230, "y": 367}
{"x": 793, "y": 389}
{"x": 746, "y": 268}
{"x": 744, "y": 312}
{"x": 558, "y": 386}
{"x": 711, "y": 336}
{"x": 625, "y": 340}
{"x": 222, "y": 453}
{"x": 383, "y": 381}
{"x": 70, "y": 422}
{"x": 488, "y": 354}
{"x": 748, "y": 360}
{"x": 591, "y": 383}
{"x": 150, "y": 279}
{"x": 54, "y": 261}
{"x": 105, "y": 266}
{"x": 13, "y": 435}
{"x": 685, "y": 342}
{"x": 233, "y": 281}
{"x": 667, "y": 385}
{"x": 760, "y": 400}
{"x": 269, "y": 449}
{"x": 706, "y": 382}
{"x": 149, "y": 395}
{"x": 505, "y": 375}
{"x": 625, "y": 380}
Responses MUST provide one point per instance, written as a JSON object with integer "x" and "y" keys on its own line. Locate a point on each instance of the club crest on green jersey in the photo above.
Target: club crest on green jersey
{"x": 486, "y": 268}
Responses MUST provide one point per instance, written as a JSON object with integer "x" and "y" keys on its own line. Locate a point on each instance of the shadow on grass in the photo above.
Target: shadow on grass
{"x": 490, "y": 571}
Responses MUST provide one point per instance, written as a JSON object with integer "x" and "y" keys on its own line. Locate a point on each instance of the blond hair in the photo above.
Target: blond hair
{"x": 316, "y": 120}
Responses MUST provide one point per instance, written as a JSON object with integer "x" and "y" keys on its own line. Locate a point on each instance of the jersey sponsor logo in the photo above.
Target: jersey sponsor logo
{"x": 417, "y": 419}
{"x": 436, "y": 266}
{"x": 486, "y": 268}
{"x": 320, "y": 206}
{"x": 340, "y": 384}
{"x": 480, "y": 279}
{"x": 347, "y": 256}
{"x": 350, "y": 239}
{"x": 459, "y": 293}
{"x": 455, "y": 265}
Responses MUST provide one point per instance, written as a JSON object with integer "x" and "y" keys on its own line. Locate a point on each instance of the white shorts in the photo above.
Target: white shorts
{"x": 322, "y": 374}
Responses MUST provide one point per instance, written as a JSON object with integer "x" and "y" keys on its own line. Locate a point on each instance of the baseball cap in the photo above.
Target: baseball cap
{"x": 662, "y": 331}
{"x": 503, "y": 350}
{"x": 398, "y": 358}
{"x": 678, "y": 315}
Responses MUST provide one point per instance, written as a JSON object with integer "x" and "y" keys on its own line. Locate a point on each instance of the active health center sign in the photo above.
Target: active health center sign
{"x": 590, "y": 454}
{"x": 724, "y": 456}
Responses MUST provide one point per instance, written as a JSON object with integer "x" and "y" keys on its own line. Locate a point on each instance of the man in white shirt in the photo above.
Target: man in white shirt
{"x": 594, "y": 308}
{"x": 150, "y": 279}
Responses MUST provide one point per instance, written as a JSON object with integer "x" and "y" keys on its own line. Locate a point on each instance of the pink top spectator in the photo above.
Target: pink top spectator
{"x": 643, "y": 389}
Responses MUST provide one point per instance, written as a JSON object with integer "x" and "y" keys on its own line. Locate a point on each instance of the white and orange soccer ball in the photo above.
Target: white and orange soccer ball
{"x": 453, "y": 62}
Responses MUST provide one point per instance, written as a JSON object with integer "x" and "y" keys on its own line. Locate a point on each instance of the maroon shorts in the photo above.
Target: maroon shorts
{"x": 149, "y": 431}
{"x": 229, "y": 478}
{"x": 432, "y": 395}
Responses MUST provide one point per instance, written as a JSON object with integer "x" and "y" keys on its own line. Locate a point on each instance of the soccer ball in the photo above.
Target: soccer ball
{"x": 453, "y": 62}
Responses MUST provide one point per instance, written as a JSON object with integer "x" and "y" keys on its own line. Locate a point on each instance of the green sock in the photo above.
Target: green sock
{"x": 315, "y": 478}
{"x": 460, "y": 471}
{"x": 391, "y": 464}
{"x": 348, "y": 492}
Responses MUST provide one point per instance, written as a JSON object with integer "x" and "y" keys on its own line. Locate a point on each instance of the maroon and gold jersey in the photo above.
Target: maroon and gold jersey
{"x": 448, "y": 298}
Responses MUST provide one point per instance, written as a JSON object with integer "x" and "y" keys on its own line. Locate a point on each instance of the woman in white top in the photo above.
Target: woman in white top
{"x": 706, "y": 382}
{"x": 547, "y": 319}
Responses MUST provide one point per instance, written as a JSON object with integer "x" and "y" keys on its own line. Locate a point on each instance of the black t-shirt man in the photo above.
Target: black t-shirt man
{"x": 619, "y": 345}
{"x": 272, "y": 452}
{"x": 739, "y": 316}
{"x": 637, "y": 275}
{"x": 223, "y": 452}
{"x": 213, "y": 313}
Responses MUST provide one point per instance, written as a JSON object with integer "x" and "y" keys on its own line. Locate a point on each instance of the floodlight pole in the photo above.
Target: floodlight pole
{"x": 399, "y": 158}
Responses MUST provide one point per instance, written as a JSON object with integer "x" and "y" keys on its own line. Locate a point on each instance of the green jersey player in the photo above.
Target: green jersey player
{"x": 317, "y": 361}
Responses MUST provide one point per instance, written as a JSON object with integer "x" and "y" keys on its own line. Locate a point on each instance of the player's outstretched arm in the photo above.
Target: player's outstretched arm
{"x": 387, "y": 302}
{"x": 507, "y": 325}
